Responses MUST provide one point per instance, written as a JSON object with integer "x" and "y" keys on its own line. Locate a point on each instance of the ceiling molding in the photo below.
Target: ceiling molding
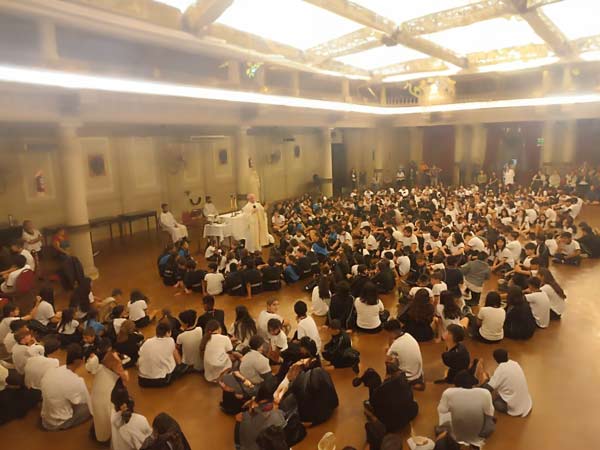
{"x": 357, "y": 41}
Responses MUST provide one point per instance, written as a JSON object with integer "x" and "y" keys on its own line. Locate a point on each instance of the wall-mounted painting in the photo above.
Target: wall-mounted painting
{"x": 96, "y": 165}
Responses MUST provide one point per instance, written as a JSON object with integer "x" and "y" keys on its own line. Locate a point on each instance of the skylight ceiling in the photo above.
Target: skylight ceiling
{"x": 575, "y": 18}
{"x": 292, "y": 22}
{"x": 381, "y": 57}
{"x": 400, "y": 11}
{"x": 487, "y": 35}
{"x": 181, "y": 5}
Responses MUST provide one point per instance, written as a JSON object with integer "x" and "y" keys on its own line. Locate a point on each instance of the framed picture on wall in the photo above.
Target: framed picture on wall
{"x": 223, "y": 156}
{"x": 96, "y": 165}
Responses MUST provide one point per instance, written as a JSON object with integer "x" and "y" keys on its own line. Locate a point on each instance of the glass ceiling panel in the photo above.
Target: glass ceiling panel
{"x": 181, "y": 5}
{"x": 487, "y": 35}
{"x": 291, "y": 22}
{"x": 402, "y": 10}
{"x": 575, "y": 18}
{"x": 381, "y": 57}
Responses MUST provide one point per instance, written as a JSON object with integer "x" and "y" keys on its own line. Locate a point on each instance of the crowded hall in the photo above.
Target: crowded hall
{"x": 299, "y": 224}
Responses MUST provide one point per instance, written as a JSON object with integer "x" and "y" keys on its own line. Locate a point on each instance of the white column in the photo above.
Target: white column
{"x": 459, "y": 152}
{"x": 478, "y": 144}
{"x": 242, "y": 163}
{"x": 326, "y": 163}
{"x": 77, "y": 219}
{"x": 296, "y": 84}
{"x": 415, "y": 138}
{"x": 47, "y": 41}
{"x": 569, "y": 142}
{"x": 548, "y": 135}
{"x": 378, "y": 162}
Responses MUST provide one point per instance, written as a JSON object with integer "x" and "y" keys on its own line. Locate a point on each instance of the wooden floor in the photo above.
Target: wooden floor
{"x": 561, "y": 365}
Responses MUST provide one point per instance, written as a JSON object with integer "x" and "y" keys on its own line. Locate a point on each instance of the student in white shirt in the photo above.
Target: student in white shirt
{"x": 514, "y": 246}
{"x": 18, "y": 248}
{"x": 9, "y": 285}
{"x": 10, "y": 313}
{"x": 277, "y": 340}
{"x": 188, "y": 341}
{"x": 306, "y": 324}
{"x": 402, "y": 263}
{"x": 408, "y": 239}
{"x": 37, "y": 366}
{"x": 569, "y": 251}
{"x": 25, "y": 348}
{"x": 158, "y": 359}
{"x": 438, "y": 286}
{"x": 509, "y": 382}
{"x": 129, "y": 430}
{"x": 68, "y": 328}
{"x": 65, "y": 397}
{"x": 321, "y": 297}
{"x": 255, "y": 365}
{"x": 45, "y": 314}
{"x": 369, "y": 241}
{"x": 32, "y": 238}
{"x": 213, "y": 281}
{"x": 539, "y": 302}
{"x": 554, "y": 292}
{"x": 368, "y": 309}
{"x": 491, "y": 319}
{"x": 266, "y": 315}
{"x": 408, "y": 352}
{"x": 138, "y": 309}
{"x": 217, "y": 352}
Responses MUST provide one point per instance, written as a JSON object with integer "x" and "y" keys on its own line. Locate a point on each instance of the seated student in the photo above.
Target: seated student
{"x": 173, "y": 322}
{"x": 360, "y": 279}
{"x": 68, "y": 328}
{"x": 402, "y": 263}
{"x": 128, "y": 342}
{"x": 117, "y": 317}
{"x": 407, "y": 351}
{"x": 569, "y": 251}
{"x": 193, "y": 278}
{"x": 539, "y": 302}
{"x": 391, "y": 406}
{"x": 234, "y": 282}
{"x": 554, "y": 292}
{"x": 418, "y": 318}
{"x": 213, "y": 280}
{"x": 454, "y": 276}
{"x": 338, "y": 351}
{"x": 93, "y": 323}
{"x": 509, "y": 385}
{"x": 438, "y": 285}
{"x": 65, "y": 398}
{"x": 476, "y": 271}
{"x": 321, "y": 297}
{"x": 384, "y": 278}
{"x": 242, "y": 329}
{"x": 9, "y": 285}
{"x": 138, "y": 309}
{"x": 252, "y": 279}
{"x": 303, "y": 264}
{"x": 217, "y": 352}
{"x": 188, "y": 341}
{"x": 271, "y": 276}
{"x": 266, "y": 315}
{"x": 448, "y": 312}
{"x": 159, "y": 359}
{"x": 129, "y": 430}
{"x": 369, "y": 310}
{"x": 17, "y": 247}
{"x": 15, "y": 400}
{"x": 38, "y": 365}
{"x": 166, "y": 434}
{"x": 26, "y": 347}
{"x": 108, "y": 304}
{"x": 211, "y": 313}
{"x": 254, "y": 365}
{"x": 10, "y": 313}
{"x": 10, "y": 340}
{"x": 342, "y": 306}
{"x": 291, "y": 271}
{"x": 167, "y": 265}
{"x": 520, "y": 322}
{"x": 462, "y": 410}
{"x": 527, "y": 268}
{"x": 503, "y": 261}
{"x": 417, "y": 269}
{"x": 311, "y": 386}
{"x": 422, "y": 283}
{"x": 211, "y": 253}
{"x": 89, "y": 342}
{"x": 306, "y": 324}
{"x": 490, "y": 320}
{"x": 456, "y": 357}
{"x": 277, "y": 340}
{"x": 260, "y": 416}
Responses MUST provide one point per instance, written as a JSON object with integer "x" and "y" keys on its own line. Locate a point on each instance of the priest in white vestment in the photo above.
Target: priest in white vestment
{"x": 257, "y": 234}
{"x": 168, "y": 223}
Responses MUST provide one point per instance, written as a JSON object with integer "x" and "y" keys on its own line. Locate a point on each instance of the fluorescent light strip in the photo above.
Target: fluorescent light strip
{"x": 42, "y": 77}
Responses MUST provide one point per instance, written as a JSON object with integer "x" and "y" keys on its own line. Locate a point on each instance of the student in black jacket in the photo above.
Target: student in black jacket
{"x": 211, "y": 313}
{"x": 456, "y": 357}
{"x": 384, "y": 279}
{"x": 519, "y": 322}
{"x": 338, "y": 351}
{"x": 252, "y": 280}
{"x": 271, "y": 276}
{"x": 234, "y": 281}
{"x": 359, "y": 281}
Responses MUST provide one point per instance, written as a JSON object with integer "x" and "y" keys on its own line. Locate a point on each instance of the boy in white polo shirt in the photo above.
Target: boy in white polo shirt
{"x": 213, "y": 281}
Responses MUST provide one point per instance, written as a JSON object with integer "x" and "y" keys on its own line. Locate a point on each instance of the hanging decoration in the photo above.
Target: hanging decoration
{"x": 252, "y": 69}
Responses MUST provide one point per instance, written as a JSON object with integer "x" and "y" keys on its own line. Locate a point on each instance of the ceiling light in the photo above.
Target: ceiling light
{"x": 575, "y": 18}
{"x": 590, "y": 56}
{"x": 292, "y": 22}
{"x": 42, "y": 77}
{"x": 486, "y": 35}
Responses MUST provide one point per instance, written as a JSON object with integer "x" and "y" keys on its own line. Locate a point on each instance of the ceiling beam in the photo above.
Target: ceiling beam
{"x": 204, "y": 12}
{"x": 432, "y": 49}
{"x": 587, "y": 44}
{"x": 414, "y": 66}
{"x": 544, "y": 28}
{"x": 356, "y": 13}
{"x": 357, "y": 41}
